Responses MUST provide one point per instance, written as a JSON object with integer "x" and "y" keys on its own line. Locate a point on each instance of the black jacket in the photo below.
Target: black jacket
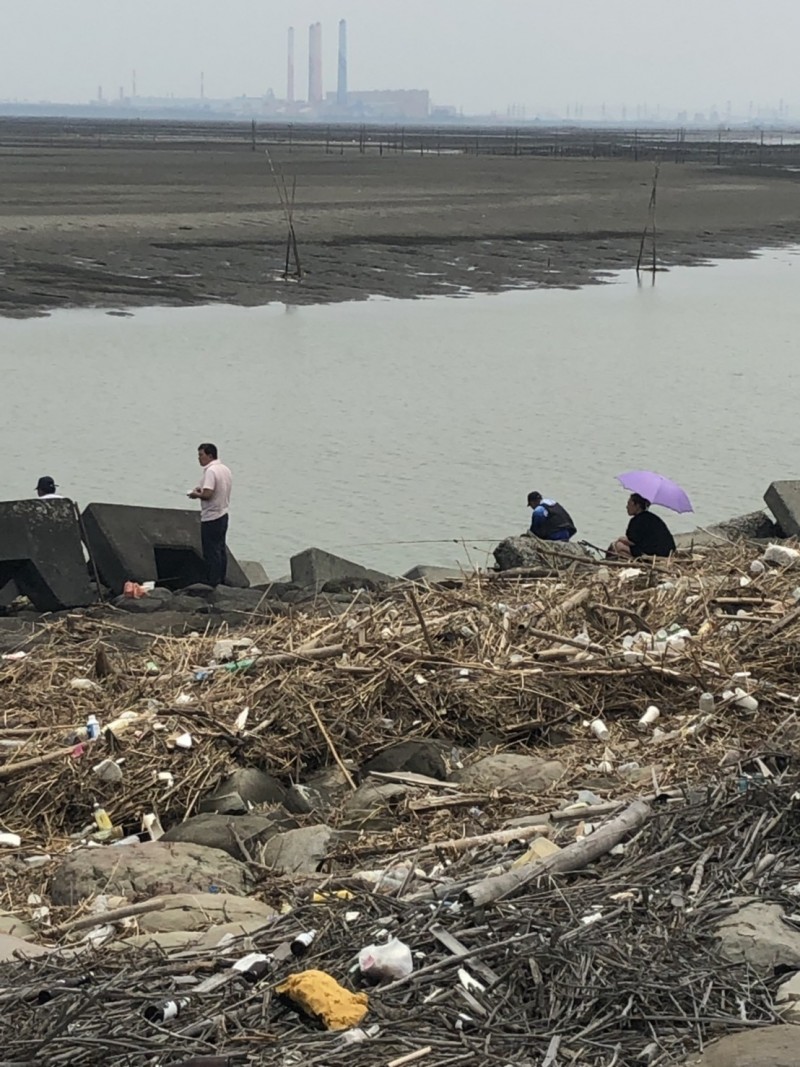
{"x": 649, "y": 535}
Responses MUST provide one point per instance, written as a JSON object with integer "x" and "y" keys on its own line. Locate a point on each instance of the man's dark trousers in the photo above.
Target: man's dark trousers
{"x": 215, "y": 554}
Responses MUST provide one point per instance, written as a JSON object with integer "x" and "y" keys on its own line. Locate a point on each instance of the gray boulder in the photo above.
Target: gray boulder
{"x": 199, "y": 911}
{"x": 314, "y": 567}
{"x": 754, "y": 526}
{"x": 298, "y": 851}
{"x": 373, "y": 806}
{"x": 149, "y": 870}
{"x": 15, "y": 948}
{"x": 764, "y": 1046}
{"x": 420, "y": 757}
{"x": 511, "y": 771}
{"x": 756, "y": 934}
{"x": 247, "y": 787}
{"x": 321, "y": 793}
{"x": 220, "y": 831}
{"x": 526, "y": 551}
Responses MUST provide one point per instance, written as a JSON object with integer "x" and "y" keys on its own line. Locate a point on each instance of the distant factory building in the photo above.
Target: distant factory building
{"x": 390, "y": 103}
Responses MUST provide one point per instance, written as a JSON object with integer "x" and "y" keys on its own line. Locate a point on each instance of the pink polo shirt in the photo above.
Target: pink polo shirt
{"x": 217, "y": 478}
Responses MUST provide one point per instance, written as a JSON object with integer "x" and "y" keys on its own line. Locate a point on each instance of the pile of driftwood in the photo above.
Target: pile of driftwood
{"x": 523, "y": 662}
{"x": 614, "y": 964}
{"x": 598, "y": 953}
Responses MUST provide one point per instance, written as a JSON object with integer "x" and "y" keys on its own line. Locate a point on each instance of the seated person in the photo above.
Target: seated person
{"x": 647, "y": 534}
{"x": 549, "y": 521}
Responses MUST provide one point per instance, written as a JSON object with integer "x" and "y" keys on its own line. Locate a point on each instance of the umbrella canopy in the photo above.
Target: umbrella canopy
{"x": 657, "y": 489}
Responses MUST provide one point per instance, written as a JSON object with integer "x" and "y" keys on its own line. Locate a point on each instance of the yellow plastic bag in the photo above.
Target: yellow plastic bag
{"x": 321, "y": 996}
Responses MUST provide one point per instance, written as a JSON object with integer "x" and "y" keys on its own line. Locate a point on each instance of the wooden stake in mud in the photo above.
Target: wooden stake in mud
{"x": 287, "y": 204}
{"x": 650, "y": 228}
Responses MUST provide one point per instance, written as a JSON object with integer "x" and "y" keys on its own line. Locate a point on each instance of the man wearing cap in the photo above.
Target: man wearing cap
{"x": 549, "y": 520}
{"x": 46, "y": 489}
{"x": 214, "y": 494}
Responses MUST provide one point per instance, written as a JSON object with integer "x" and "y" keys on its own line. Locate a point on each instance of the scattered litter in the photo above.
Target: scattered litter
{"x": 319, "y": 995}
{"x": 387, "y": 962}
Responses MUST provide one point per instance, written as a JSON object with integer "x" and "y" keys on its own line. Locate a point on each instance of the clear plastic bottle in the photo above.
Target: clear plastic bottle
{"x": 101, "y": 817}
{"x": 92, "y": 728}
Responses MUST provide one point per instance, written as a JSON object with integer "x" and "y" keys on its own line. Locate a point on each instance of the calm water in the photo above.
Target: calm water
{"x": 355, "y": 427}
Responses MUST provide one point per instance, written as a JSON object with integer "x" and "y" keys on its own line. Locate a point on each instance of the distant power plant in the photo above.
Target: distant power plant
{"x": 341, "y": 82}
{"x": 377, "y": 103}
{"x": 315, "y": 94}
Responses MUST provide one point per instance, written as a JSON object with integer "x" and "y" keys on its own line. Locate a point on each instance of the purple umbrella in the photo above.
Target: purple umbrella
{"x": 657, "y": 489}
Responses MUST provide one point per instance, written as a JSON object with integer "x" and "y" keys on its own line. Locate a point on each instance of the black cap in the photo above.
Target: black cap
{"x": 45, "y": 485}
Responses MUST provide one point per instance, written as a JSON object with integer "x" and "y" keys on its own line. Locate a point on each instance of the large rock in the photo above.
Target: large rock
{"x": 754, "y": 526}
{"x": 374, "y": 805}
{"x": 788, "y": 998}
{"x": 247, "y": 787}
{"x": 199, "y": 911}
{"x": 511, "y": 771}
{"x": 783, "y": 500}
{"x": 14, "y": 948}
{"x": 770, "y": 1046}
{"x": 149, "y": 544}
{"x": 757, "y": 935}
{"x": 420, "y": 757}
{"x": 298, "y": 851}
{"x": 149, "y": 870}
{"x": 245, "y": 602}
{"x": 432, "y": 575}
{"x": 314, "y": 567}
{"x": 41, "y": 552}
{"x": 221, "y": 831}
{"x": 527, "y": 551}
{"x": 319, "y": 794}
{"x": 254, "y": 572}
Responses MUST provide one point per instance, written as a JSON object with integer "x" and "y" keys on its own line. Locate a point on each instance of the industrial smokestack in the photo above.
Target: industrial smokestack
{"x": 341, "y": 83}
{"x": 315, "y": 63}
{"x": 290, "y": 67}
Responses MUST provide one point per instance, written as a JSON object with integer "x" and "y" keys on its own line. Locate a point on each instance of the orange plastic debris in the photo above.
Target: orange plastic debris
{"x": 321, "y": 996}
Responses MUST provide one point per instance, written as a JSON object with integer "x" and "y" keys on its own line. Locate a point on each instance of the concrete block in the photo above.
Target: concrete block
{"x": 41, "y": 553}
{"x": 149, "y": 545}
{"x": 314, "y": 567}
{"x": 783, "y": 500}
{"x": 423, "y": 572}
{"x": 254, "y": 572}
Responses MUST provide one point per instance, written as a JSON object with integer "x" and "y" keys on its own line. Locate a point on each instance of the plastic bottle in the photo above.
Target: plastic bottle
{"x": 302, "y": 942}
{"x": 706, "y": 703}
{"x": 101, "y": 818}
{"x": 253, "y": 967}
{"x": 92, "y": 728}
{"x": 166, "y": 1010}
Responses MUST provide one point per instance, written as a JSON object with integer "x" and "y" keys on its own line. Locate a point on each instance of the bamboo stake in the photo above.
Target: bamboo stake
{"x": 331, "y": 746}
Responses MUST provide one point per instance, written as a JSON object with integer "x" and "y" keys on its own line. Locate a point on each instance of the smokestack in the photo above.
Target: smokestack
{"x": 290, "y": 66}
{"x": 315, "y": 63}
{"x": 341, "y": 83}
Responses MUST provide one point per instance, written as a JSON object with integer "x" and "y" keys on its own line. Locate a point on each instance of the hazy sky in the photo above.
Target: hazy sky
{"x": 479, "y": 55}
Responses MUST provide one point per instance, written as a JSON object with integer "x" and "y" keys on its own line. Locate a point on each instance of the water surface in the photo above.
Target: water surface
{"x": 358, "y": 427}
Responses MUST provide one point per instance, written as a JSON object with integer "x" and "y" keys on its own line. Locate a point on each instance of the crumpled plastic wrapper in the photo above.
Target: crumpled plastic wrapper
{"x": 320, "y": 996}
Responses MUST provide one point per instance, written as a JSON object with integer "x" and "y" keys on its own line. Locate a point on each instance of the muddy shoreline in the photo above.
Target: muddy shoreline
{"x": 127, "y": 227}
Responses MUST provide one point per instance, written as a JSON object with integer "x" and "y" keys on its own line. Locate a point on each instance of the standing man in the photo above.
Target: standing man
{"x": 549, "y": 520}
{"x": 214, "y": 494}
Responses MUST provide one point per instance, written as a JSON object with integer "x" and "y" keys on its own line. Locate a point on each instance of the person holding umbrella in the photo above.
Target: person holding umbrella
{"x": 647, "y": 534}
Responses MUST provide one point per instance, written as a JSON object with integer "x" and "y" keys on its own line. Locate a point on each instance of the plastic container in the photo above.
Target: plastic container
{"x": 253, "y": 967}
{"x": 302, "y": 942}
{"x": 599, "y": 729}
{"x": 166, "y": 1010}
{"x": 388, "y": 962}
{"x": 92, "y": 728}
{"x": 706, "y": 703}
{"x": 101, "y": 818}
{"x": 650, "y": 717}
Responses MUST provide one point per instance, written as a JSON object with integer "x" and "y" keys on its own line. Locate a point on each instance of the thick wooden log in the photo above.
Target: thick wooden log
{"x": 572, "y": 858}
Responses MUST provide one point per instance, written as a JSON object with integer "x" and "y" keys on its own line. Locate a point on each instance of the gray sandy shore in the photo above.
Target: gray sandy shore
{"x": 130, "y": 226}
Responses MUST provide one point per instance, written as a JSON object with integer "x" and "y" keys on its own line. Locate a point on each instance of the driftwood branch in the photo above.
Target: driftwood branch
{"x": 572, "y": 858}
